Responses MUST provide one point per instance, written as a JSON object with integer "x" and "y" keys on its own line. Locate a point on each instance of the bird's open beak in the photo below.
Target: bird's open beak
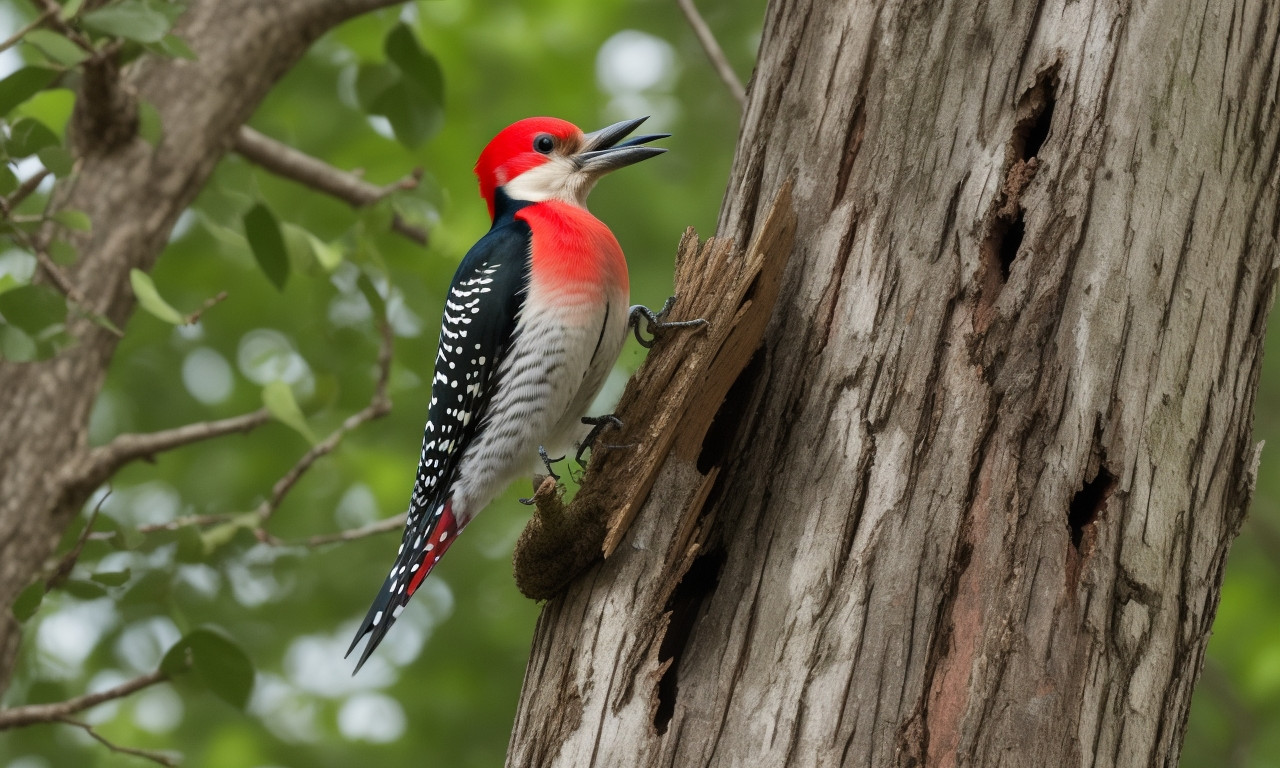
{"x": 601, "y": 152}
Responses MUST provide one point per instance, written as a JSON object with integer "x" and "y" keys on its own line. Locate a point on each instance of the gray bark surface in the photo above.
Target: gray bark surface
{"x": 133, "y": 194}
{"x": 970, "y": 504}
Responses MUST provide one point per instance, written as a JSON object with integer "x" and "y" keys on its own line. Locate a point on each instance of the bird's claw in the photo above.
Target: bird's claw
{"x": 547, "y": 462}
{"x": 657, "y": 322}
{"x": 598, "y": 425}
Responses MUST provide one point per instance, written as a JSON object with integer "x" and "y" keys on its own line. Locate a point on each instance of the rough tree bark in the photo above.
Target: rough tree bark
{"x": 133, "y": 193}
{"x": 973, "y": 496}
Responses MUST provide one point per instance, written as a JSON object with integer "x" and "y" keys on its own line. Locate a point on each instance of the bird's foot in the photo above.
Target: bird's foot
{"x": 547, "y": 461}
{"x": 657, "y": 323}
{"x": 598, "y": 425}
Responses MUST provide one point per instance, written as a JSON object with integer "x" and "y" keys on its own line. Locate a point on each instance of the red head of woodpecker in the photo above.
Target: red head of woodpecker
{"x": 533, "y": 322}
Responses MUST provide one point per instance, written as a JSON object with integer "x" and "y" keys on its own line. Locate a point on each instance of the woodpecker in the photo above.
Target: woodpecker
{"x": 534, "y": 320}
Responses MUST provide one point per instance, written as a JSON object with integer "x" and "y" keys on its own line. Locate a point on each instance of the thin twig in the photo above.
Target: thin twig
{"x": 342, "y": 537}
{"x": 13, "y": 39}
{"x": 16, "y": 717}
{"x": 714, "y": 51}
{"x": 194, "y": 521}
{"x": 379, "y": 405}
{"x": 68, "y": 562}
{"x": 57, "y": 276}
{"x": 198, "y": 521}
{"x": 159, "y": 758}
{"x": 25, "y": 189}
{"x": 79, "y": 301}
{"x": 194, "y": 317}
{"x": 283, "y": 160}
{"x": 104, "y": 461}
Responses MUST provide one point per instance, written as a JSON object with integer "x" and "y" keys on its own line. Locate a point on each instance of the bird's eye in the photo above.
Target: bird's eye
{"x": 544, "y": 143}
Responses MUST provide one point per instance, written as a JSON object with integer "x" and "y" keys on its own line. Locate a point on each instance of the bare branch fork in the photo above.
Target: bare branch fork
{"x": 106, "y": 460}
{"x": 160, "y": 758}
{"x": 283, "y": 160}
{"x": 714, "y": 52}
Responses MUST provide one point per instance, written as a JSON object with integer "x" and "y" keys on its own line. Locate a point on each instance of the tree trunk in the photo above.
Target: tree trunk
{"x": 973, "y": 497}
{"x": 133, "y": 193}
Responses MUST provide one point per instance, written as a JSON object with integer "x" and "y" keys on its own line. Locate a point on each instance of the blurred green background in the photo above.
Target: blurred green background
{"x": 442, "y": 690}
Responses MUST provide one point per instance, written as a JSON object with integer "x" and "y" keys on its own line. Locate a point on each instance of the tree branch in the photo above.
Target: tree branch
{"x": 283, "y": 160}
{"x": 159, "y": 758}
{"x": 13, "y": 39}
{"x": 105, "y": 460}
{"x": 23, "y": 191}
{"x": 16, "y": 717}
{"x": 714, "y": 52}
{"x": 342, "y": 537}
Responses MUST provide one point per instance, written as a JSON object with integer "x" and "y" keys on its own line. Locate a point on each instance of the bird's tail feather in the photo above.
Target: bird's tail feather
{"x": 419, "y": 553}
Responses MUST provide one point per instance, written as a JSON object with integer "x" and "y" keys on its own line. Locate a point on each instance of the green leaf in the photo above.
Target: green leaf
{"x": 173, "y": 47}
{"x": 413, "y": 121}
{"x": 73, "y": 219}
{"x": 373, "y": 80}
{"x": 70, "y": 9}
{"x": 414, "y": 104}
{"x": 8, "y": 182}
{"x": 62, "y": 252}
{"x": 22, "y": 85}
{"x": 33, "y": 308}
{"x": 277, "y": 396}
{"x": 301, "y": 256}
{"x": 217, "y": 662}
{"x": 83, "y": 589}
{"x": 239, "y": 528}
{"x": 265, "y": 240}
{"x": 111, "y": 578}
{"x": 328, "y": 254}
{"x": 16, "y": 346}
{"x": 131, "y": 19}
{"x": 306, "y": 250}
{"x": 52, "y": 106}
{"x": 418, "y": 66}
{"x": 191, "y": 548}
{"x": 145, "y": 289}
{"x": 59, "y": 49}
{"x": 149, "y": 126}
{"x": 56, "y": 159}
{"x": 27, "y": 136}
{"x": 28, "y": 601}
